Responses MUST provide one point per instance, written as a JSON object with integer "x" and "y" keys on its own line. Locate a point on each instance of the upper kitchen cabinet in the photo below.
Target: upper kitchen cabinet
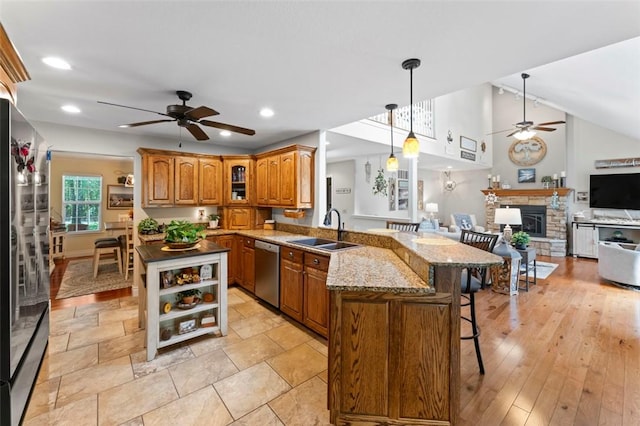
{"x": 210, "y": 181}
{"x": 284, "y": 177}
{"x": 158, "y": 181}
{"x": 238, "y": 180}
{"x": 172, "y": 179}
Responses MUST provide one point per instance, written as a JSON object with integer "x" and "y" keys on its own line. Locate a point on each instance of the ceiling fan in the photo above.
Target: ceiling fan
{"x": 187, "y": 117}
{"x": 525, "y": 129}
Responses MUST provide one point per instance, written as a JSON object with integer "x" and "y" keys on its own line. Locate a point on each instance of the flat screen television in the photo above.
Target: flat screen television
{"x": 619, "y": 191}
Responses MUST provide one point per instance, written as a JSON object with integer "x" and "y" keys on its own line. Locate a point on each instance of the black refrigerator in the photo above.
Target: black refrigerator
{"x": 24, "y": 257}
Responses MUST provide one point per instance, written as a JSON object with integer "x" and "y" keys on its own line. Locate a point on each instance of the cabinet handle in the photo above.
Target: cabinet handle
{"x": 290, "y": 254}
{"x": 316, "y": 261}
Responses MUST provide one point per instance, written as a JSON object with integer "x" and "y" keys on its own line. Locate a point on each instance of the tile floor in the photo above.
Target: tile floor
{"x": 267, "y": 371}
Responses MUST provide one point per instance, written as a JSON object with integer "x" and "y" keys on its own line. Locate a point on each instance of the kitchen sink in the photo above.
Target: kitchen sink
{"x": 324, "y": 244}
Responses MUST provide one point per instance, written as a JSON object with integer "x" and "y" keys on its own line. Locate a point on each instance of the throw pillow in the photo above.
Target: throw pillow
{"x": 428, "y": 225}
{"x": 463, "y": 221}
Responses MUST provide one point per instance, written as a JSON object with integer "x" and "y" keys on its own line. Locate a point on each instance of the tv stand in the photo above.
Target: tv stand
{"x": 588, "y": 234}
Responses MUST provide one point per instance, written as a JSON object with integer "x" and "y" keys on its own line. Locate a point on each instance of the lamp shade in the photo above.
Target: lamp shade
{"x": 392, "y": 163}
{"x": 431, "y": 208}
{"x": 507, "y": 216}
{"x": 411, "y": 146}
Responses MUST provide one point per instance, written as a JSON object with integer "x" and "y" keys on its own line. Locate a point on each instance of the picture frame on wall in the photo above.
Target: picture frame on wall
{"x": 526, "y": 175}
{"x": 468, "y": 144}
{"x": 119, "y": 197}
{"x": 582, "y": 196}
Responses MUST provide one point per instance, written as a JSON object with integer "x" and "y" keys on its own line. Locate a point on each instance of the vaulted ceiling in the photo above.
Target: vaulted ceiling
{"x": 317, "y": 64}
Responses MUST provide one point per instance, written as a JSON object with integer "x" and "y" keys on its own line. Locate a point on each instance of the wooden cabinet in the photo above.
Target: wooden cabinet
{"x": 227, "y": 241}
{"x": 173, "y": 179}
{"x": 285, "y": 177}
{"x": 248, "y": 259}
{"x": 291, "y": 282}
{"x": 238, "y": 180}
{"x": 186, "y": 181}
{"x": 210, "y": 181}
{"x": 392, "y": 359}
{"x": 315, "y": 293}
{"x": 244, "y": 217}
{"x": 158, "y": 182}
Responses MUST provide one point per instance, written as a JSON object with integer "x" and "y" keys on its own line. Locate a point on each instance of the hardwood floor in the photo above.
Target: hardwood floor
{"x": 565, "y": 353}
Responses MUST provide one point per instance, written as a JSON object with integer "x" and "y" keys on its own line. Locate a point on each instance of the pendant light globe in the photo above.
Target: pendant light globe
{"x": 392, "y": 161}
{"x": 411, "y": 146}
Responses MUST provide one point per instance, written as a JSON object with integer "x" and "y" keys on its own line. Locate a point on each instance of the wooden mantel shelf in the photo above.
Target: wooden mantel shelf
{"x": 527, "y": 192}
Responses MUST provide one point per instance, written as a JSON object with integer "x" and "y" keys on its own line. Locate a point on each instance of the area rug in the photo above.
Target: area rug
{"x": 543, "y": 269}
{"x": 78, "y": 279}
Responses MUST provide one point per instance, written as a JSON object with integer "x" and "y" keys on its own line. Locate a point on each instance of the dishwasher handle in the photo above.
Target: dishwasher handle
{"x": 274, "y": 248}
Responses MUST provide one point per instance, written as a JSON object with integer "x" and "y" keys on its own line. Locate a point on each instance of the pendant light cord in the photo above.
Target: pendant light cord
{"x": 411, "y": 99}
{"x": 391, "y": 124}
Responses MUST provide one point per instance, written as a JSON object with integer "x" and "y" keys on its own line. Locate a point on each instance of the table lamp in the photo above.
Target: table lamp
{"x": 431, "y": 208}
{"x": 506, "y": 216}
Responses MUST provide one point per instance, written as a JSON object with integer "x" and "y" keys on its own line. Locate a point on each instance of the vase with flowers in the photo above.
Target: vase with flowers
{"x": 520, "y": 240}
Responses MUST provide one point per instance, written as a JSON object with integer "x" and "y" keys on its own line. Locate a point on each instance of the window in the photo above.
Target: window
{"x": 82, "y": 202}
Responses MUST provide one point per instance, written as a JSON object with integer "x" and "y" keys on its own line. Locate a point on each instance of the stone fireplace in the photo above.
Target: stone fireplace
{"x": 547, "y": 226}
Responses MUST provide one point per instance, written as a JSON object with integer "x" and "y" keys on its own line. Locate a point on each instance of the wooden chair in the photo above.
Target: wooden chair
{"x": 128, "y": 250}
{"x": 106, "y": 246}
{"x": 403, "y": 226}
{"x": 473, "y": 279}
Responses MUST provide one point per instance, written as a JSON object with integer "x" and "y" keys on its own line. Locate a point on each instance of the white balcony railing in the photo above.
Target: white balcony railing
{"x": 423, "y": 119}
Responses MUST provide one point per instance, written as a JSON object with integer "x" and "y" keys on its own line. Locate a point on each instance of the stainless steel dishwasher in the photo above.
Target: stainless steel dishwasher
{"x": 268, "y": 272}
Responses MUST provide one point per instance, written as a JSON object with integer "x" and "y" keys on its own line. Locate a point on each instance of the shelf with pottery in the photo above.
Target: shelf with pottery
{"x": 168, "y": 320}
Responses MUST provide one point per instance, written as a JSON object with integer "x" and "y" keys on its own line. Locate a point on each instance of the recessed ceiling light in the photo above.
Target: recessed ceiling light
{"x": 72, "y": 109}
{"x": 58, "y": 63}
{"x": 266, "y": 112}
{"x": 225, "y": 133}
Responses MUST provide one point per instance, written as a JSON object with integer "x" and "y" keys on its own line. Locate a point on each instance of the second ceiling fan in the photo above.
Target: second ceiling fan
{"x": 187, "y": 117}
{"x": 525, "y": 129}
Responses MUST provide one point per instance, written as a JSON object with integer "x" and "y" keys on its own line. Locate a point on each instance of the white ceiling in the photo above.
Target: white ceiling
{"x": 318, "y": 64}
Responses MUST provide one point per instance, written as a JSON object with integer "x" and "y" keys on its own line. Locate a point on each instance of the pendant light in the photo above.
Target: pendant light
{"x": 392, "y": 161}
{"x": 411, "y": 146}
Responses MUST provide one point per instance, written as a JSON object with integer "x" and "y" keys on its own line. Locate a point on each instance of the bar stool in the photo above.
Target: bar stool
{"x": 106, "y": 246}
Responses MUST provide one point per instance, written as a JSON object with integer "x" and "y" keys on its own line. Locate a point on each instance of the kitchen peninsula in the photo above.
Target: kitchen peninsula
{"x": 394, "y": 328}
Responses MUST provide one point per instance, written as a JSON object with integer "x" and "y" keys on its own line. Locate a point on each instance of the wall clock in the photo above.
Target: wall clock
{"x": 527, "y": 152}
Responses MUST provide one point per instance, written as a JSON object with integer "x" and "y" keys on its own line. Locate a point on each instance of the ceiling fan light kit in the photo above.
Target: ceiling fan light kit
{"x": 411, "y": 146}
{"x": 187, "y": 117}
{"x": 392, "y": 161}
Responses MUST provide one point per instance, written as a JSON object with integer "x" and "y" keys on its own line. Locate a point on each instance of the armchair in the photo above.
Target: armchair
{"x": 618, "y": 264}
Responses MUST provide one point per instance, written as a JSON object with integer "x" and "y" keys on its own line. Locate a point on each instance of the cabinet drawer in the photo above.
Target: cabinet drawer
{"x": 248, "y": 242}
{"x": 291, "y": 254}
{"x": 316, "y": 261}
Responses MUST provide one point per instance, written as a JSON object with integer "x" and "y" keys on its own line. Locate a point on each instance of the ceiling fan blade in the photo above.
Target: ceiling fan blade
{"x": 228, "y": 127}
{"x": 139, "y": 109}
{"x": 544, "y": 129}
{"x": 201, "y": 112}
{"x": 551, "y": 122}
{"x": 500, "y": 131}
{"x": 513, "y": 133}
{"x": 197, "y": 132}
{"x": 144, "y": 123}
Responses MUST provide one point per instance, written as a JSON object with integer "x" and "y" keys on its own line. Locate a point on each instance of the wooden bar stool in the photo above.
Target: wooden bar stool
{"x": 106, "y": 246}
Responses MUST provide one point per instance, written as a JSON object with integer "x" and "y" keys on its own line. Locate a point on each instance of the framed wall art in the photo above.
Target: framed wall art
{"x": 468, "y": 144}
{"x": 526, "y": 175}
{"x": 582, "y": 196}
{"x": 527, "y": 152}
{"x": 119, "y": 197}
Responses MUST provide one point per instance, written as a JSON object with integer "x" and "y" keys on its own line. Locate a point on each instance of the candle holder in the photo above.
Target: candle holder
{"x": 490, "y": 186}
{"x": 563, "y": 182}
{"x": 555, "y": 183}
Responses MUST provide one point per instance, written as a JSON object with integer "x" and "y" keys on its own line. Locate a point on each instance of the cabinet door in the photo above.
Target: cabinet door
{"x": 238, "y": 175}
{"x": 291, "y": 283}
{"x": 159, "y": 180}
{"x": 238, "y": 218}
{"x": 305, "y": 180}
{"x": 585, "y": 241}
{"x": 262, "y": 193}
{"x": 226, "y": 241}
{"x": 273, "y": 186}
{"x": 315, "y": 293}
{"x": 210, "y": 182}
{"x": 288, "y": 177}
{"x": 248, "y": 268}
{"x": 186, "y": 180}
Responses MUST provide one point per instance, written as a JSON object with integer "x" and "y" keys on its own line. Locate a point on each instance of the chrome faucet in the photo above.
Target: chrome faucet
{"x": 327, "y": 222}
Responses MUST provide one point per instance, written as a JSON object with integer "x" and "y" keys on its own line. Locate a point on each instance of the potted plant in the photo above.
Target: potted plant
{"x": 183, "y": 234}
{"x": 188, "y": 296}
{"x": 148, "y": 225}
{"x": 520, "y": 239}
{"x": 213, "y": 220}
{"x": 546, "y": 181}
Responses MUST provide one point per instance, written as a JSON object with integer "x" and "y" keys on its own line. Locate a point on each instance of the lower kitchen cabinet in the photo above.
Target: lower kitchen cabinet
{"x": 291, "y": 282}
{"x": 227, "y": 241}
{"x": 247, "y": 264}
{"x": 315, "y": 293}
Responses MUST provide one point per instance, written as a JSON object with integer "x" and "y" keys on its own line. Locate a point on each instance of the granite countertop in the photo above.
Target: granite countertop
{"x": 371, "y": 268}
{"x": 156, "y": 253}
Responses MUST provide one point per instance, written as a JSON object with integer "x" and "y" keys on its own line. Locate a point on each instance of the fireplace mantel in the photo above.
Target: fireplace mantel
{"x": 527, "y": 192}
